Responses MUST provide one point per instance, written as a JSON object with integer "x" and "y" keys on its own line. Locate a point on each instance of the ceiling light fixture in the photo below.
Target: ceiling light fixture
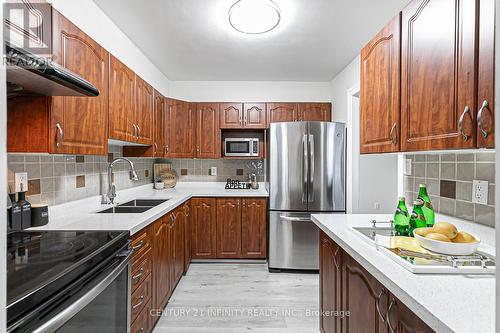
{"x": 254, "y": 16}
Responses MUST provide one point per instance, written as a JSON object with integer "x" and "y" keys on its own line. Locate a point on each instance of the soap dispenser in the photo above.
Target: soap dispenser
{"x": 25, "y": 210}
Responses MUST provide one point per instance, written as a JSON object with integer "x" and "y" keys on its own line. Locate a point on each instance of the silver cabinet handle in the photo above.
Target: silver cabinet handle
{"x": 165, "y": 149}
{"x": 295, "y": 219}
{"x": 137, "y": 276}
{"x": 138, "y": 130}
{"x": 391, "y": 133}
{"x": 461, "y": 123}
{"x": 377, "y": 305}
{"x": 485, "y": 105}
{"x": 138, "y": 246}
{"x": 311, "y": 167}
{"x": 135, "y": 130}
{"x": 61, "y": 135}
{"x": 305, "y": 168}
{"x": 335, "y": 262}
{"x": 138, "y": 304}
{"x": 388, "y": 316}
{"x": 155, "y": 148}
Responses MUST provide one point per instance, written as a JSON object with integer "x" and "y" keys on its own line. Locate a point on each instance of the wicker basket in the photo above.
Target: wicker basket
{"x": 165, "y": 171}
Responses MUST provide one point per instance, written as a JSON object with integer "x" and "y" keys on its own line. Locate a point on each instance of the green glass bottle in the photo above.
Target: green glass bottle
{"x": 427, "y": 206}
{"x": 402, "y": 218}
{"x": 417, "y": 219}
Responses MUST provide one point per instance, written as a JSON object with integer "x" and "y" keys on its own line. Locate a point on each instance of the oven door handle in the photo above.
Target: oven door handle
{"x": 64, "y": 316}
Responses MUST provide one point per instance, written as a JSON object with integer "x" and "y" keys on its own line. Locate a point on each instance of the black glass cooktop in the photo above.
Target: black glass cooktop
{"x": 41, "y": 263}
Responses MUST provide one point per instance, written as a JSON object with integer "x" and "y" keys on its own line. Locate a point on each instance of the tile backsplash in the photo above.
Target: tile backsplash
{"x": 193, "y": 170}
{"x": 55, "y": 179}
{"x": 449, "y": 179}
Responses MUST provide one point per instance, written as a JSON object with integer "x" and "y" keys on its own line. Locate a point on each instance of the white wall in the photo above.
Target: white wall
{"x": 251, "y": 91}
{"x": 3, "y": 187}
{"x": 372, "y": 180}
{"x": 346, "y": 79}
{"x": 92, "y": 20}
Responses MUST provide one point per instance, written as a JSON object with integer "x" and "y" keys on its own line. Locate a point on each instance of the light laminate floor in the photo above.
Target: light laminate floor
{"x": 238, "y": 298}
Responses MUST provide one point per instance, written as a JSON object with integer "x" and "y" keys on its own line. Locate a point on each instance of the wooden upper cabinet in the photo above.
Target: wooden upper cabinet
{"x": 208, "y": 136}
{"x": 254, "y": 115}
{"x": 438, "y": 75}
{"x": 314, "y": 112}
{"x": 486, "y": 75}
{"x": 281, "y": 112}
{"x": 158, "y": 125}
{"x": 228, "y": 228}
{"x": 253, "y": 228}
{"x": 144, "y": 111}
{"x": 80, "y": 124}
{"x": 27, "y": 25}
{"x": 231, "y": 115}
{"x": 179, "y": 131}
{"x": 203, "y": 228}
{"x": 121, "y": 101}
{"x": 380, "y": 94}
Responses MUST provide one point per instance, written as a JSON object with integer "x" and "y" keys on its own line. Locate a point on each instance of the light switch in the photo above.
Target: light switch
{"x": 480, "y": 192}
{"x": 407, "y": 170}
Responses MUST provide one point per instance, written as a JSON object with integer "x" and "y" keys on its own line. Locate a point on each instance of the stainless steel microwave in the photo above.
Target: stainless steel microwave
{"x": 244, "y": 147}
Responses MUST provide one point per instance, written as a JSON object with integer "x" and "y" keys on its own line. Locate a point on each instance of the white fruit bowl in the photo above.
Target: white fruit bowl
{"x": 454, "y": 249}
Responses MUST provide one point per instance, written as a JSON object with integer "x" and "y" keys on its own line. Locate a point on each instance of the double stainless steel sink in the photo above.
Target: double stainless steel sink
{"x": 136, "y": 206}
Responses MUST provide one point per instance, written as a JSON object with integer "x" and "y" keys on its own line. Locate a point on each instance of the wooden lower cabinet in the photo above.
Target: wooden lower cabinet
{"x": 186, "y": 209}
{"x": 330, "y": 281}
{"x": 228, "y": 228}
{"x": 203, "y": 228}
{"x": 352, "y": 300}
{"x": 162, "y": 262}
{"x": 254, "y": 228}
{"x": 176, "y": 246}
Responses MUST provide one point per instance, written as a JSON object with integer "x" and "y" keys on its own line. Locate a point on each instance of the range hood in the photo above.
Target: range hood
{"x": 29, "y": 74}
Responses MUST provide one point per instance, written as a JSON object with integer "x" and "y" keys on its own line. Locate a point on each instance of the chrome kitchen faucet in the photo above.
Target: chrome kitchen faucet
{"x": 111, "y": 195}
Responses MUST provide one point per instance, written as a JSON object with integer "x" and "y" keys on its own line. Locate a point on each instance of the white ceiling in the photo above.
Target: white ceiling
{"x": 191, "y": 40}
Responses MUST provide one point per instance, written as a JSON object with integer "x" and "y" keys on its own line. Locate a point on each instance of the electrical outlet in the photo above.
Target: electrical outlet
{"x": 213, "y": 171}
{"x": 480, "y": 192}
{"x": 376, "y": 206}
{"x": 407, "y": 170}
{"x": 21, "y": 181}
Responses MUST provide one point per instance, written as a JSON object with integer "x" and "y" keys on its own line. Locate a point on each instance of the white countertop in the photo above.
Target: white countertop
{"x": 447, "y": 303}
{"x": 81, "y": 214}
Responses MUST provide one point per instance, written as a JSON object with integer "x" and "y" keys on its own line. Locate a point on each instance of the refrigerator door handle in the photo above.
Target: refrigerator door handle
{"x": 311, "y": 159}
{"x": 305, "y": 168}
{"x": 295, "y": 219}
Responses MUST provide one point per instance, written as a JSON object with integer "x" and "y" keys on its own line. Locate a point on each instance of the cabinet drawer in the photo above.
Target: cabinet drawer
{"x": 140, "y": 297}
{"x": 141, "y": 270}
{"x": 144, "y": 321}
{"x": 141, "y": 243}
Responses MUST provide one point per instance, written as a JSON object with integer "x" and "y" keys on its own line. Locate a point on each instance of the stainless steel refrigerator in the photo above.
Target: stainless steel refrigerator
{"x": 306, "y": 176}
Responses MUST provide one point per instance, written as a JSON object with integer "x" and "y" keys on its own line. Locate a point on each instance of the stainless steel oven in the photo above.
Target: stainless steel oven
{"x": 241, "y": 147}
{"x": 85, "y": 288}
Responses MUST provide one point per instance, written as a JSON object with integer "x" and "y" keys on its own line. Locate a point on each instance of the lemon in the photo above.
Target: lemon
{"x": 447, "y": 229}
{"x": 464, "y": 237}
{"x": 438, "y": 237}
